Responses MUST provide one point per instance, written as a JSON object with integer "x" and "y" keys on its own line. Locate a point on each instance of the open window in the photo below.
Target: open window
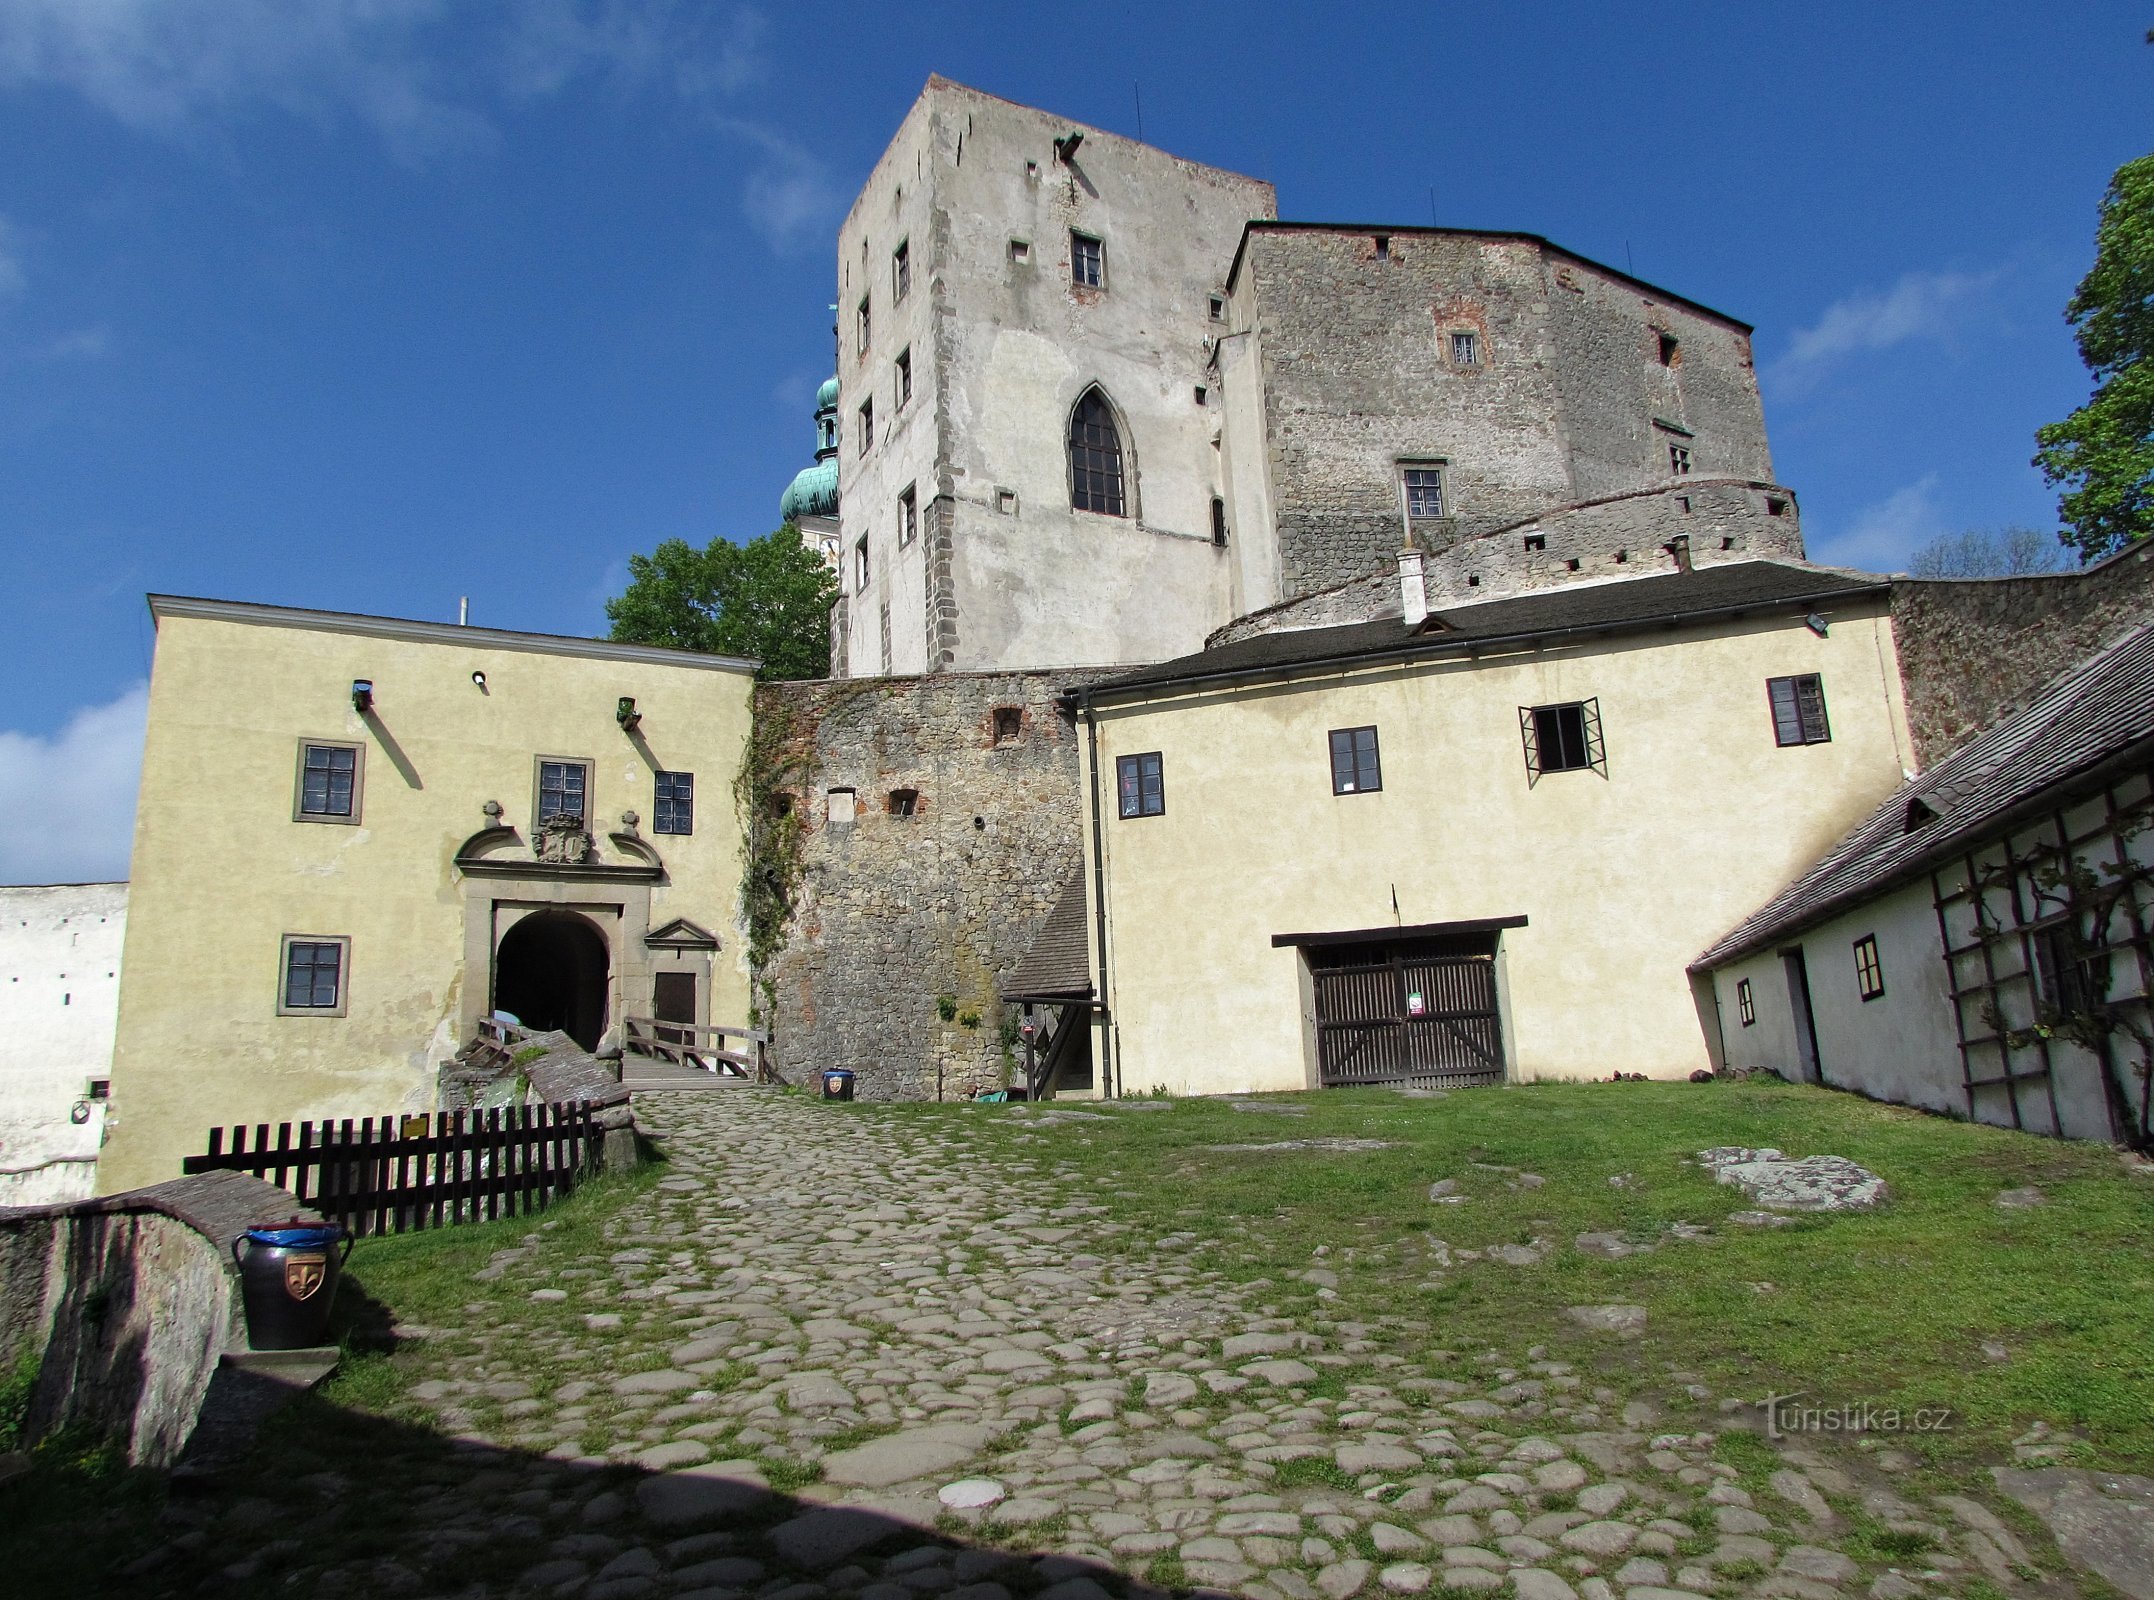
{"x": 1562, "y": 738}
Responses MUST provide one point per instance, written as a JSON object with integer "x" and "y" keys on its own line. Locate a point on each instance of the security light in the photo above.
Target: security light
{"x": 362, "y": 695}
{"x": 478, "y": 679}
{"x": 626, "y": 714}
{"x": 1815, "y": 623}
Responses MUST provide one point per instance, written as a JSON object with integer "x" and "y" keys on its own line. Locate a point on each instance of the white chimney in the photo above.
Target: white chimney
{"x": 1412, "y": 591}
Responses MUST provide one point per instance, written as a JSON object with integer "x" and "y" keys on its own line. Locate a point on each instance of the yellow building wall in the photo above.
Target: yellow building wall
{"x": 222, "y": 872}
{"x": 1623, "y": 879}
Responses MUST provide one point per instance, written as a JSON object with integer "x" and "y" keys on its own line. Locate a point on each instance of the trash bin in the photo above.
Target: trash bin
{"x": 837, "y": 1084}
{"x": 288, "y": 1275}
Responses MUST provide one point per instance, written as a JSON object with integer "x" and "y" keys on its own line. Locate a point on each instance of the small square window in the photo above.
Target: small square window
{"x": 1465, "y": 349}
{"x": 1006, "y": 502}
{"x": 1671, "y": 351}
{"x": 1382, "y": 244}
{"x": 840, "y": 806}
{"x": 867, "y": 426}
{"x": 901, "y": 270}
{"x": 860, "y": 567}
{"x": 1562, "y": 738}
{"x": 1020, "y": 253}
{"x": 904, "y": 802}
{"x": 1745, "y": 1004}
{"x": 1355, "y": 768}
{"x": 564, "y": 791}
{"x": 1424, "y": 492}
{"x": 1140, "y": 785}
{"x": 1009, "y": 723}
{"x": 1679, "y": 460}
{"x": 1216, "y": 307}
{"x": 312, "y": 980}
{"x": 908, "y": 516}
{"x": 328, "y": 783}
{"x": 904, "y": 376}
{"x": 1798, "y": 710}
{"x": 1869, "y": 971}
{"x": 1536, "y": 541}
{"x": 673, "y": 802}
{"x": 1088, "y": 262}
{"x": 1202, "y": 394}
{"x": 866, "y": 325}
{"x": 1775, "y": 506}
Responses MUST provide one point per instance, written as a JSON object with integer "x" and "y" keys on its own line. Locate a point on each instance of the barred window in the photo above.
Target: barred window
{"x": 1798, "y": 709}
{"x": 328, "y": 781}
{"x": 1424, "y": 492}
{"x": 1869, "y": 971}
{"x": 1465, "y": 349}
{"x": 1088, "y": 262}
{"x": 1354, "y": 765}
{"x": 1563, "y": 738}
{"x": 1095, "y": 447}
{"x": 313, "y": 974}
{"x": 673, "y": 802}
{"x": 1140, "y": 784}
{"x": 563, "y": 787}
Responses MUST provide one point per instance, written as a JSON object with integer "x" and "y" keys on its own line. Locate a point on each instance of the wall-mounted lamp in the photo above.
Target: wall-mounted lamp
{"x": 1815, "y": 623}
{"x": 626, "y": 714}
{"x": 362, "y": 695}
{"x": 478, "y": 680}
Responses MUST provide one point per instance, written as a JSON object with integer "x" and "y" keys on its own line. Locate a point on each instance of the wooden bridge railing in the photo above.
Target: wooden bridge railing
{"x": 689, "y": 1044}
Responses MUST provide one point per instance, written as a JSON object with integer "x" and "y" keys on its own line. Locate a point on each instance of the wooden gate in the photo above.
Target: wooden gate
{"x": 1419, "y": 1011}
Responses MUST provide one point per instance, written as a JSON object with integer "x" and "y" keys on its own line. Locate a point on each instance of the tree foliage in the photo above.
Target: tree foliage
{"x": 1990, "y": 553}
{"x": 769, "y": 598}
{"x": 2104, "y": 452}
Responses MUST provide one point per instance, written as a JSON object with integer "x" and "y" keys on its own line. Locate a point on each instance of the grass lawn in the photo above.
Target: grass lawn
{"x": 1891, "y": 1306}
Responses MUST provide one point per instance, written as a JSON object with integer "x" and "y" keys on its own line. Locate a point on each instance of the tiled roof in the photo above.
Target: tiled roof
{"x": 1059, "y": 965}
{"x": 1711, "y": 591}
{"x": 2099, "y": 710}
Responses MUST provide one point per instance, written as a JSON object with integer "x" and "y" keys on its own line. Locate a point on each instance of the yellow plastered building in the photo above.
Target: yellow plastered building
{"x": 1479, "y": 845}
{"x": 358, "y": 836}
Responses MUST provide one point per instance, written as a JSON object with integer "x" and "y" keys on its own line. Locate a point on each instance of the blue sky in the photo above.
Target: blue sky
{"x": 370, "y": 304}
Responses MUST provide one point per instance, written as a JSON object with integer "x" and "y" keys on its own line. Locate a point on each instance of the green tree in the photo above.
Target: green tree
{"x": 2104, "y": 452}
{"x": 769, "y": 598}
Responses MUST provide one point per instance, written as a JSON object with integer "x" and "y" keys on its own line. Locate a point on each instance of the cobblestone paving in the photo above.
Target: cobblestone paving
{"x": 996, "y": 1409}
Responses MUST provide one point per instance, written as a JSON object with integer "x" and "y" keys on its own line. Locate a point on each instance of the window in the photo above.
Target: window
{"x": 1095, "y": 457}
{"x": 563, "y": 790}
{"x": 2068, "y": 981}
{"x": 1088, "y": 262}
{"x": 1536, "y": 542}
{"x": 328, "y": 783}
{"x": 1670, "y": 350}
{"x": 1869, "y": 971}
{"x": 840, "y": 805}
{"x": 1424, "y": 492}
{"x": 1563, "y": 738}
{"x": 908, "y": 516}
{"x": 1139, "y": 783}
{"x": 1219, "y": 520}
{"x": 1354, "y": 766}
{"x": 860, "y": 567}
{"x": 313, "y": 977}
{"x": 673, "y": 802}
{"x": 904, "y": 802}
{"x": 1006, "y": 502}
{"x": 1679, "y": 461}
{"x": 1202, "y": 394}
{"x": 901, "y": 270}
{"x": 866, "y": 325}
{"x": 1775, "y": 506}
{"x": 1746, "y": 1006}
{"x": 1009, "y": 723}
{"x": 1465, "y": 349}
{"x": 1798, "y": 710}
{"x": 904, "y": 378}
{"x": 1382, "y": 242}
{"x": 867, "y": 426}
{"x": 1217, "y": 308}
{"x": 1020, "y": 253}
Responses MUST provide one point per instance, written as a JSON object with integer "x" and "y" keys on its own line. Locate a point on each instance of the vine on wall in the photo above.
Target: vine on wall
{"x": 769, "y": 795}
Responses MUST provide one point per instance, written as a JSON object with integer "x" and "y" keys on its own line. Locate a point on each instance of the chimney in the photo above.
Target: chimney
{"x": 1679, "y": 547}
{"x": 1412, "y": 591}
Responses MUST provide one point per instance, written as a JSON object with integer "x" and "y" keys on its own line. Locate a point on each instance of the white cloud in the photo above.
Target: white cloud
{"x": 67, "y": 803}
{"x": 789, "y": 198}
{"x": 1921, "y": 305}
{"x": 1885, "y": 533}
{"x": 418, "y": 73}
{"x": 81, "y": 344}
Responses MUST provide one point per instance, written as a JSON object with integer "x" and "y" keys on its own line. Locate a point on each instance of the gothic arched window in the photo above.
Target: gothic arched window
{"x": 1096, "y": 457}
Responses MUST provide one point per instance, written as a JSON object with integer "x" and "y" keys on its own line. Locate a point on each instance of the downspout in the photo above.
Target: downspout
{"x": 1107, "y": 1062}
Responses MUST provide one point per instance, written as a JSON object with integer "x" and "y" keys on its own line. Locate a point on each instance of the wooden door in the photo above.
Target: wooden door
{"x": 1417, "y": 1011}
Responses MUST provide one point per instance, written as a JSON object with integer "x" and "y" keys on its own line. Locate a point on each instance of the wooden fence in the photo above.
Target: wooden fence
{"x": 394, "y": 1174}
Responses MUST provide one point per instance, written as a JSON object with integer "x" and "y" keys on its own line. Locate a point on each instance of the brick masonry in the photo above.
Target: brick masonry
{"x": 1971, "y": 649}
{"x": 896, "y": 912}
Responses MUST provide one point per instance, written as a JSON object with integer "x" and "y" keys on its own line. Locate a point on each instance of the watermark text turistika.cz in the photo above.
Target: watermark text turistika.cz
{"x": 1798, "y": 1413}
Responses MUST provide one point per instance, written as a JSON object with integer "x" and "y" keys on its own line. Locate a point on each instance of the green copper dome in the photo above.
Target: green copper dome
{"x": 814, "y": 490}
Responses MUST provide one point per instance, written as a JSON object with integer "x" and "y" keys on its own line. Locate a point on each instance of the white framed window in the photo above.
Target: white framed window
{"x": 1422, "y": 484}
{"x": 1088, "y": 261}
{"x": 312, "y": 973}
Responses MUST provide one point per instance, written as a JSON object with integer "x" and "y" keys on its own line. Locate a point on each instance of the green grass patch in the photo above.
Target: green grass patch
{"x": 17, "y": 1383}
{"x": 789, "y": 1473}
{"x": 1312, "y": 1472}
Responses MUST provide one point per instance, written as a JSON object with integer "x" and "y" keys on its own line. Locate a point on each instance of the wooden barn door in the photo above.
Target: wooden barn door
{"x": 1417, "y": 1011}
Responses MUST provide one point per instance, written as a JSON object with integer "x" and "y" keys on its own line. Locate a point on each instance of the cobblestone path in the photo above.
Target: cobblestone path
{"x": 1007, "y": 1394}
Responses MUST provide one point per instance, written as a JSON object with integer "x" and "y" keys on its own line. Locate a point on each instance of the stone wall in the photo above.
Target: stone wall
{"x": 1973, "y": 648}
{"x": 1568, "y": 396}
{"x": 132, "y": 1302}
{"x": 1724, "y": 519}
{"x": 894, "y": 913}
